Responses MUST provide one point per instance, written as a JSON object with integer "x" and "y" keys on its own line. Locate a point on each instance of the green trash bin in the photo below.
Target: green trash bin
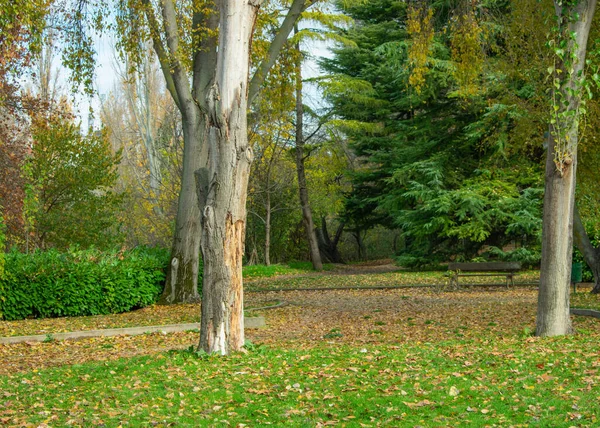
{"x": 576, "y": 274}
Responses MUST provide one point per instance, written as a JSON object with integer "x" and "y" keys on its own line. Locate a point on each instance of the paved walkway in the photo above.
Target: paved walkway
{"x": 249, "y": 323}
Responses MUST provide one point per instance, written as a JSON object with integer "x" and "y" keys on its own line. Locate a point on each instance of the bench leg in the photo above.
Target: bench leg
{"x": 454, "y": 282}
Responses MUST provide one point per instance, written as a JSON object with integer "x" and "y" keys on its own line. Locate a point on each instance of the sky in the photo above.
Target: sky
{"x": 107, "y": 77}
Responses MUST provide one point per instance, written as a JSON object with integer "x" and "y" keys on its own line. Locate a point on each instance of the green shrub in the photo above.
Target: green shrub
{"x": 528, "y": 257}
{"x": 54, "y": 284}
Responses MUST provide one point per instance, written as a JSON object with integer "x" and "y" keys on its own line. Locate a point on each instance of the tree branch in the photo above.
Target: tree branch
{"x": 205, "y": 54}
{"x": 294, "y": 12}
{"x": 180, "y": 79}
{"x": 161, "y": 53}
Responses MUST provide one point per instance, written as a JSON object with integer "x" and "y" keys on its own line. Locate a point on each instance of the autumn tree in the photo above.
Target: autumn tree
{"x": 204, "y": 52}
{"x": 272, "y": 180}
{"x": 143, "y": 122}
{"x": 299, "y": 149}
{"x": 70, "y": 200}
{"x": 21, "y": 39}
{"x": 569, "y": 45}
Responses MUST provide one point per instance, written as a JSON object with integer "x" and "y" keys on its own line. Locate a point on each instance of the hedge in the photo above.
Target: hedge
{"x": 53, "y": 284}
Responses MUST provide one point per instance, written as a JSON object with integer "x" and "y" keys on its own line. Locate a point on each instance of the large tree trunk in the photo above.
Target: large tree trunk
{"x": 553, "y": 299}
{"x": 218, "y": 158}
{"x": 182, "y": 277}
{"x": 590, "y": 254}
{"x": 223, "y": 185}
{"x": 561, "y": 166}
{"x": 313, "y": 244}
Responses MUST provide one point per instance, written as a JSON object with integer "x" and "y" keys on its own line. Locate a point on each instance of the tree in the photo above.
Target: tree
{"x": 271, "y": 176}
{"x": 70, "y": 200}
{"x": 217, "y": 157}
{"x": 307, "y": 218}
{"x": 568, "y": 77}
{"x": 144, "y": 123}
{"x": 21, "y": 29}
{"x": 435, "y": 157}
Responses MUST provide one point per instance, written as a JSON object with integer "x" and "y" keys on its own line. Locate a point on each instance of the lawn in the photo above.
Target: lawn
{"x": 507, "y": 381}
{"x": 400, "y": 357}
{"x": 398, "y": 278}
{"x": 292, "y": 268}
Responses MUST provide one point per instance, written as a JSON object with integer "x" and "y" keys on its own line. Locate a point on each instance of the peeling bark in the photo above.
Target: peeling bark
{"x": 224, "y": 204}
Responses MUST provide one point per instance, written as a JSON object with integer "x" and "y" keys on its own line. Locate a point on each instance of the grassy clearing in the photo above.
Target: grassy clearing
{"x": 399, "y": 278}
{"x": 402, "y": 357}
{"x": 584, "y": 299}
{"x": 292, "y": 268}
{"x": 551, "y": 382}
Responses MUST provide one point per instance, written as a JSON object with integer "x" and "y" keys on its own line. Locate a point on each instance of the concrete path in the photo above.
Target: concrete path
{"x": 249, "y": 323}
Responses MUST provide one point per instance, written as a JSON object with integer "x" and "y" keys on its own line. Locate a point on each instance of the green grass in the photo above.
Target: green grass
{"x": 509, "y": 381}
{"x": 584, "y": 299}
{"x": 292, "y": 268}
{"x": 401, "y": 278}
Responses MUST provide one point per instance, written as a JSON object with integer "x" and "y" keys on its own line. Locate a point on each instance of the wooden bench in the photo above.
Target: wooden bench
{"x": 506, "y": 269}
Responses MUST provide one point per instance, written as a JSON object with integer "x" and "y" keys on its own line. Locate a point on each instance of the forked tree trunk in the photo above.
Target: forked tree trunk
{"x": 591, "y": 255}
{"x": 327, "y": 246}
{"x": 561, "y": 166}
{"x": 307, "y": 218}
{"x": 182, "y": 277}
{"x": 223, "y": 185}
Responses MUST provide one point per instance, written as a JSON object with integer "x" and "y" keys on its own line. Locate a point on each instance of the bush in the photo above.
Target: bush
{"x": 54, "y": 284}
{"x": 527, "y": 257}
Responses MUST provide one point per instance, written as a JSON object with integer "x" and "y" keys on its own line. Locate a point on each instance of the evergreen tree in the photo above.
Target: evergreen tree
{"x": 424, "y": 103}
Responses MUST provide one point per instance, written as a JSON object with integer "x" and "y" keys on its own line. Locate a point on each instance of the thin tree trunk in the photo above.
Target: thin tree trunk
{"x": 590, "y": 254}
{"x": 268, "y": 228}
{"x": 557, "y": 234}
{"x": 313, "y": 244}
{"x": 223, "y": 186}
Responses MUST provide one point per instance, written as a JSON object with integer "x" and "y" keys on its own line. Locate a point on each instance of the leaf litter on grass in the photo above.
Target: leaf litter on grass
{"x": 411, "y": 316}
{"x": 431, "y": 345}
{"x": 499, "y": 383}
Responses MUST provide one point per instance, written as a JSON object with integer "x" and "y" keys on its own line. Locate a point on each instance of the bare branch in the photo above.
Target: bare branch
{"x": 180, "y": 79}
{"x": 205, "y": 55}
{"x": 161, "y": 53}
{"x": 296, "y": 9}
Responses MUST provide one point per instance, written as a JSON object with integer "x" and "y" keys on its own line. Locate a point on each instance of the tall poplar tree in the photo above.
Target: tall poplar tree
{"x": 573, "y": 24}
{"x": 212, "y": 41}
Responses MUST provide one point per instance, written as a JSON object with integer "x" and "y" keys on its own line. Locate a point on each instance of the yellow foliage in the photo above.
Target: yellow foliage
{"x": 467, "y": 51}
{"x": 420, "y": 29}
